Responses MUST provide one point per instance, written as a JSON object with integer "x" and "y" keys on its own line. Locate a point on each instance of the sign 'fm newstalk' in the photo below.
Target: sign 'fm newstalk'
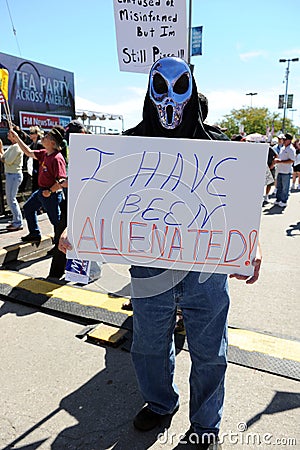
{"x": 148, "y": 30}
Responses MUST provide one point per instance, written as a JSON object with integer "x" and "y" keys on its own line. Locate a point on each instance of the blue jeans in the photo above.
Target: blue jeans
{"x": 49, "y": 204}
{"x": 283, "y": 187}
{"x": 204, "y": 301}
{"x": 12, "y": 183}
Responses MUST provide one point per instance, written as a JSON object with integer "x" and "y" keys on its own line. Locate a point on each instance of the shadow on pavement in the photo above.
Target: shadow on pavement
{"x": 104, "y": 408}
{"x": 26, "y": 291}
{"x": 19, "y": 264}
{"x": 294, "y": 227}
{"x": 25, "y": 309}
{"x": 273, "y": 210}
{"x": 17, "y": 309}
{"x": 32, "y": 446}
{"x": 282, "y": 401}
{"x": 4, "y": 231}
{"x": 124, "y": 292}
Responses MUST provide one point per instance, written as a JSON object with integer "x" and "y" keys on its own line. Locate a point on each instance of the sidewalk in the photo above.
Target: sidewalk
{"x": 11, "y": 246}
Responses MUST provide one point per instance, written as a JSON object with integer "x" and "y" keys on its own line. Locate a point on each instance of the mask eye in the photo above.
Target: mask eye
{"x": 182, "y": 84}
{"x": 159, "y": 84}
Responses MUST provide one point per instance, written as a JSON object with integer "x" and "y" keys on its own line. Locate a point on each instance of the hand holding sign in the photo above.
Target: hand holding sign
{"x": 256, "y": 263}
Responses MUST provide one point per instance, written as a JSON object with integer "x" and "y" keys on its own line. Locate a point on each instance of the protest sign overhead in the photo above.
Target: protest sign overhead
{"x": 171, "y": 203}
{"x": 148, "y": 30}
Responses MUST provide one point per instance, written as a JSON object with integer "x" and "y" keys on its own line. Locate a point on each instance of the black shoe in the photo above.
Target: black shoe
{"x": 31, "y": 238}
{"x": 127, "y": 306}
{"x": 55, "y": 275}
{"x": 51, "y": 251}
{"x": 146, "y": 420}
{"x": 192, "y": 440}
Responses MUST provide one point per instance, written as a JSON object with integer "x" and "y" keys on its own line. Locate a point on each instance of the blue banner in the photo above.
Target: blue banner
{"x": 196, "y": 41}
{"x": 37, "y": 94}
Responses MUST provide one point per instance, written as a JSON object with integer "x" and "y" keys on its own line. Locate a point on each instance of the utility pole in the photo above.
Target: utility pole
{"x": 189, "y": 33}
{"x": 286, "y": 88}
{"x": 251, "y": 93}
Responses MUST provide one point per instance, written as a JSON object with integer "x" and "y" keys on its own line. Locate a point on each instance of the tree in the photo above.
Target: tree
{"x": 254, "y": 120}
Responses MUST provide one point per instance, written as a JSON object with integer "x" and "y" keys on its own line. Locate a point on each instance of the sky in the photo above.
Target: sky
{"x": 242, "y": 44}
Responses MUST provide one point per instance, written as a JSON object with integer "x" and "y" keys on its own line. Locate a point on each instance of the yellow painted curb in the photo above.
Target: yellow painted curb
{"x": 66, "y": 293}
{"x": 243, "y": 339}
{"x": 263, "y": 343}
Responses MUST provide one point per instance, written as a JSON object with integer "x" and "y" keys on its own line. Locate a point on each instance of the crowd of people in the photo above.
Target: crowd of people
{"x": 45, "y": 160}
{"x": 282, "y": 163}
{"x": 44, "y": 157}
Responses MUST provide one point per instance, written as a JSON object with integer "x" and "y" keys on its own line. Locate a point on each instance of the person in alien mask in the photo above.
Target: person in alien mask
{"x": 172, "y": 109}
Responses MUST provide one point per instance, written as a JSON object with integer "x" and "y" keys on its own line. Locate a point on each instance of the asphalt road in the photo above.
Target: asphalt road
{"x": 60, "y": 392}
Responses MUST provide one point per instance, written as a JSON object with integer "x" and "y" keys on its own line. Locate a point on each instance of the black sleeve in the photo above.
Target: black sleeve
{"x": 271, "y": 156}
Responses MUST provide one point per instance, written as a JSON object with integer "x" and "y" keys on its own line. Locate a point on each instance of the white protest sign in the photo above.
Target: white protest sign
{"x": 170, "y": 203}
{"x": 148, "y": 30}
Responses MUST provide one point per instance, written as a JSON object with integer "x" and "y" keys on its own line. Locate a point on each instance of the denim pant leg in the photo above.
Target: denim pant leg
{"x": 31, "y": 207}
{"x": 285, "y": 187}
{"x": 51, "y": 206}
{"x": 153, "y": 350}
{"x": 12, "y": 183}
{"x": 278, "y": 187}
{"x": 205, "y": 307}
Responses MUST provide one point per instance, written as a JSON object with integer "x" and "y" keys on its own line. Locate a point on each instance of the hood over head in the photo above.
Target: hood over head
{"x": 172, "y": 107}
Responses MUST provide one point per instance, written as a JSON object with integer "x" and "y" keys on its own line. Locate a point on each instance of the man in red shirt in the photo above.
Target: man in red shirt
{"x": 52, "y": 172}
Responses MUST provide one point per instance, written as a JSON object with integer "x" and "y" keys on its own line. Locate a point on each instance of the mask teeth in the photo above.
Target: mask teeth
{"x": 169, "y": 111}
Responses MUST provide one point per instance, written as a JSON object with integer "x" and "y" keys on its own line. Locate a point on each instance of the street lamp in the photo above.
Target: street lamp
{"x": 189, "y": 33}
{"x": 122, "y": 119}
{"x": 286, "y": 87}
{"x": 251, "y": 93}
